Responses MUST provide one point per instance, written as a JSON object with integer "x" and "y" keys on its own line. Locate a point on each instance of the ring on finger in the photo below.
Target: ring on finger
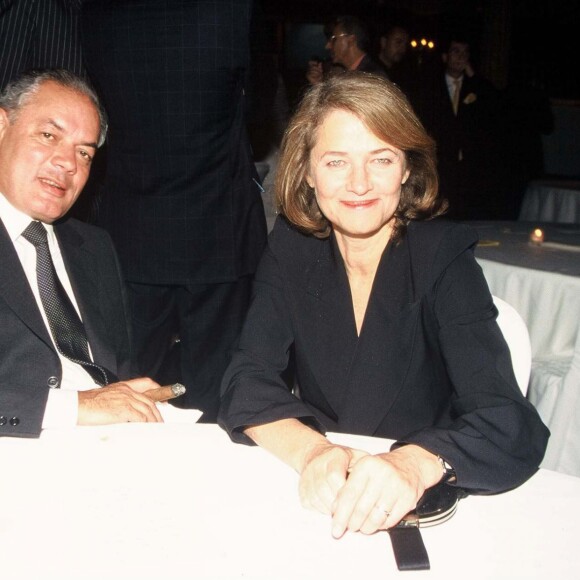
{"x": 385, "y": 511}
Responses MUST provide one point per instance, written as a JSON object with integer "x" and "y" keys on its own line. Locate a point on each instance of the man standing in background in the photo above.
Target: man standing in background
{"x": 462, "y": 111}
{"x": 39, "y": 35}
{"x": 178, "y": 193}
{"x": 394, "y": 44}
{"x": 349, "y": 47}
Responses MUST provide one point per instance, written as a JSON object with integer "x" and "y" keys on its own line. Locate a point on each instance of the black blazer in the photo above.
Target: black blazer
{"x": 475, "y": 128}
{"x": 179, "y": 199}
{"x": 430, "y": 367}
{"x": 371, "y": 66}
{"x": 28, "y": 361}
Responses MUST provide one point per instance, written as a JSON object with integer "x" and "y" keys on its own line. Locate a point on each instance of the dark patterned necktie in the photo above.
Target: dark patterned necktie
{"x": 65, "y": 324}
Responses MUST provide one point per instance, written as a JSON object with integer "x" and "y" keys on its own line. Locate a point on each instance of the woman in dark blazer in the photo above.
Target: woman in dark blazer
{"x": 389, "y": 316}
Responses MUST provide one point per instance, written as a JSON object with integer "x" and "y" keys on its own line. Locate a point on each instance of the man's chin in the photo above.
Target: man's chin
{"x": 50, "y": 215}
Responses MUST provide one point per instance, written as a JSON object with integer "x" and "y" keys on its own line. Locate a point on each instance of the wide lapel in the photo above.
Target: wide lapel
{"x": 15, "y": 289}
{"x": 84, "y": 274}
{"x": 467, "y": 88}
{"x": 385, "y": 345}
{"x": 444, "y": 97}
{"x": 329, "y": 331}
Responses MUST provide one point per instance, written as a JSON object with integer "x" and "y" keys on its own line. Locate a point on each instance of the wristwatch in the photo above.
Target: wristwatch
{"x": 449, "y": 475}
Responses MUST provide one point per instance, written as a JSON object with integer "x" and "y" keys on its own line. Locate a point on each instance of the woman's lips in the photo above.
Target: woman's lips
{"x": 362, "y": 204}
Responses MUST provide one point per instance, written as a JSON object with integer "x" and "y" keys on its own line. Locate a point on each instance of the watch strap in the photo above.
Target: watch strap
{"x": 409, "y": 549}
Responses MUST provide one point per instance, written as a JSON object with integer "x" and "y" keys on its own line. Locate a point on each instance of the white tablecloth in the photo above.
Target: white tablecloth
{"x": 177, "y": 501}
{"x": 551, "y": 201}
{"x": 543, "y": 285}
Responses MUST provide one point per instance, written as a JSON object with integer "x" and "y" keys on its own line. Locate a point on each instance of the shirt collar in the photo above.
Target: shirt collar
{"x": 16, "y": 221}
{"x": 451, "y": 80}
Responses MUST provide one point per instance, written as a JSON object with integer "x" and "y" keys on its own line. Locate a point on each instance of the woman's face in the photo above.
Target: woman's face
{"x": 356, "y": 176}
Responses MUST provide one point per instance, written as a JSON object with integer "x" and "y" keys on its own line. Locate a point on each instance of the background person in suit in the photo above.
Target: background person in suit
{"x": 401, "y": 67}
{"x": 38, "y": 35}
{"x": 391, "y": 320}
{"x": 349, "y": 46}
{"x": 51, "y": 124}
{"x": 463, "y": 113}
{"x": 180, "y": 197}
{"x": 394, "y": 45}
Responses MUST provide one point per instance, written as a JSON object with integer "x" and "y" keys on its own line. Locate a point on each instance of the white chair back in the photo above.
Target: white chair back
{"x": 516, "y": 335}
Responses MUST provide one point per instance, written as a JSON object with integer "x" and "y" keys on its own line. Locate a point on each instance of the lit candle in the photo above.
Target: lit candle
{"x": 537, "y": 236}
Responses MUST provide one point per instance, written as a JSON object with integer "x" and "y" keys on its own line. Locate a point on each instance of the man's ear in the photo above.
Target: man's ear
{"x": 4, "y": 122}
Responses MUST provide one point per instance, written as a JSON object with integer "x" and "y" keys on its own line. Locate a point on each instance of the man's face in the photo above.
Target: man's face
{"x": 457, "y": 58}
{"x": 395, "y": 45}
{"x": 338, "y": 45}
{"x": 47, "y": 150}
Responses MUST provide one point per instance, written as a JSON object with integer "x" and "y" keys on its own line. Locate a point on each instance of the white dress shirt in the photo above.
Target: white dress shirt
{"x": 452, "y": 82}
{"x": 62, "y": 405}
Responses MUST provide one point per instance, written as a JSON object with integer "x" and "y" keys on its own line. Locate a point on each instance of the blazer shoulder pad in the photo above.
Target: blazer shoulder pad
{"x": 287, "y": 241}
{"x": 435, "y": 244}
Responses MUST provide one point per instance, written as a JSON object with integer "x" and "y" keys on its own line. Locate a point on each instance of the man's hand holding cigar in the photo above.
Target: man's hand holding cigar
{"x": 125, "y": 402}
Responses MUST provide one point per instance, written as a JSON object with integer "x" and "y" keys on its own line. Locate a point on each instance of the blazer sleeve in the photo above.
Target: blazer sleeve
{"x": 496, "y": 439}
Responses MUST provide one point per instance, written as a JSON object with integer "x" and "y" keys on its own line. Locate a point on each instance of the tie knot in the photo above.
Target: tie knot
{"x": 35, "y": 233}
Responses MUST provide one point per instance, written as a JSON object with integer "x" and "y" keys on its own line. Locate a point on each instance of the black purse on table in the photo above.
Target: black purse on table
{"x": 437, "y": 505}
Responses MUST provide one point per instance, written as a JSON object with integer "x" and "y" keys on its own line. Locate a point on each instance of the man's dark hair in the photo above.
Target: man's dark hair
{"x": 355, "y": 26}
{"x": 457, "y": 35}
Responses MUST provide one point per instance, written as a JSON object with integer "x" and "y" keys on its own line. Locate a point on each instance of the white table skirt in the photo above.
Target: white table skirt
{"x": 551, "y": 201}
{"x": 548, "y": 302}
{"x": 550, "y": 305}
{"x": 543, "y": 285}
{"x": 180, "y": 501}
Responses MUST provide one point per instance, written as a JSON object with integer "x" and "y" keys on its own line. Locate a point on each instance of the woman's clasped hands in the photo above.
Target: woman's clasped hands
{"x": 364, "y": 492}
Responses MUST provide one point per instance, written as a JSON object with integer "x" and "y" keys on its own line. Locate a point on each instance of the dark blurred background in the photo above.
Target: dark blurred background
{"x": 528, "y": 49}
{"x": 535, "y": 41}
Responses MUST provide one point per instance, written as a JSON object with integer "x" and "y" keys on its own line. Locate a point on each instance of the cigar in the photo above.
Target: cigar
{"x": 166, "y": 393}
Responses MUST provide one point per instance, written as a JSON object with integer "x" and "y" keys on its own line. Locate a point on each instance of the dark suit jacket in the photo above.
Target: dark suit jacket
{"x": 179, "y": 198}
{"x": 472, "y": 183}
{"x": 472, "y": 128}
{"x": 28, "y": 361}
{"x": 41, "y": 34}
{"x": 430, "y": 367}
{"x": 369, "y": 65}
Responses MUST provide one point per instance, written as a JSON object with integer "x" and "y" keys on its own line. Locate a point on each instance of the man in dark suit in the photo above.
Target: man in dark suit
{"x": 35, "y": 35}
{"x": 348, "y": 44}
{"x": 462, "y": 111}
{"x": 51, "y": 124}
{"x": 180, "y": 197}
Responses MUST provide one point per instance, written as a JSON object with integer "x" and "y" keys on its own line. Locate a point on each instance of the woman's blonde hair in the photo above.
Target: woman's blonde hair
{"x": 385, "y": 110}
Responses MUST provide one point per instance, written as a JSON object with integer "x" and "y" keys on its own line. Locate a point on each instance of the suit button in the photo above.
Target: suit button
{"x": 14, "y": 421}
{"x": 52, "y": 382}
{"x": 3, "y": 420}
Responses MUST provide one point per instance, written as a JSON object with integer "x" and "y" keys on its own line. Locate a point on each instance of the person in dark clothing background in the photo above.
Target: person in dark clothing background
{"x": 179, "y": 194}
{"x": 462, "y": 111}
{"x": 349, "y": 47}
